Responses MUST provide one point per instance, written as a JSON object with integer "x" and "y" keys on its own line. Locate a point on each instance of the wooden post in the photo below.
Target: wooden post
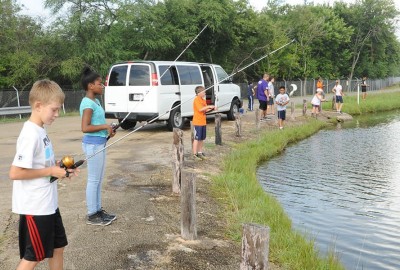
{"x": 188, "y": 207}
{"x": 177, "y": 160}
{"x": 257, "y": 112}
{"x": 218, "y": 132}
{"x": 333, "y": 103}
{"x": 238, "y": 125}
{"x": 255, "y": 247}
{"x": 292, "y": 111}
{"x": 191, "y": 134}
{"x": 304, "y": 107}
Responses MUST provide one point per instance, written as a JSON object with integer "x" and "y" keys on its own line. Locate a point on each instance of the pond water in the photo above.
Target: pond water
{"x": 341, "y": 187}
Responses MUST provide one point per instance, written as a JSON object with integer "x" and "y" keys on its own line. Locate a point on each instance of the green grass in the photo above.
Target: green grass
{"x": 244, "y": 200}
{"x": 240, "y": 192}
{"x": 375, "y": 102}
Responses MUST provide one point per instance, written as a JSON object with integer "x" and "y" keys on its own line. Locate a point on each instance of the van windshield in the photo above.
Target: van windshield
{"x": 222, "y": 75}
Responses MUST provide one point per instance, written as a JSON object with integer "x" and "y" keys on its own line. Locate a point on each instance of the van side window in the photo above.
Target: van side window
{"x": 222, "y": 75}
{"x": 170, "y": 77}
{"x": 118, "y": 76}
{"x": 139, "y": 75}
{"x": 189, "y": 75}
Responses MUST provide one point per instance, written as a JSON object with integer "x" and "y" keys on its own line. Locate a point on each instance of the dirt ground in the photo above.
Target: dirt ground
{"x": 137, "y": 188}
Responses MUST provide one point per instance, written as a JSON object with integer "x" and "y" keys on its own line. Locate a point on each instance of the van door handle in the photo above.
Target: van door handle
{"x": 178, "y": 93}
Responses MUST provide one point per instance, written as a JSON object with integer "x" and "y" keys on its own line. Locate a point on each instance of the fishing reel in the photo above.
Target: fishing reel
{"x": 114, "y": 127}
{"x": 67, "y": 162}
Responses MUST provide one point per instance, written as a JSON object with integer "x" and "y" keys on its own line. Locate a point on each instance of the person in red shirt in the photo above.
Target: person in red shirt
{"x": 200, "y": 108}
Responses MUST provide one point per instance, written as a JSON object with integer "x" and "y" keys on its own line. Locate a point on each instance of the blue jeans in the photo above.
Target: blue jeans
{"x": 95, "y": 174}
{"x": 251, "y": 102}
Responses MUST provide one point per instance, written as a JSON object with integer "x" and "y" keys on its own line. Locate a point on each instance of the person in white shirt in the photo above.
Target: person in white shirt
{"x": 316, "y": 102}
{"x": 271, "y": 91}
{"x": 338, "y": 90}
{"x": 34, "y": 196}
{"x": 282, "y": 99}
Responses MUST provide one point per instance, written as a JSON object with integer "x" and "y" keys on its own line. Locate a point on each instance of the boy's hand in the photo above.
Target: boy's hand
{"x": 58, "y": 172}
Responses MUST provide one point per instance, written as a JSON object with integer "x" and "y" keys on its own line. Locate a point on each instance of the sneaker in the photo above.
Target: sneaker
{"x": 280, "y": 127}
{"x": 106, "y": 216}
{"x": 96, "y": 219}
{"x": 201, "y": 155}
{"x": 197, "y": 157}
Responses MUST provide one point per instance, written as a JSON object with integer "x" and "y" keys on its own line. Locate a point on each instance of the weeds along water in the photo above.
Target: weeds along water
{"x": 245, "y": 201}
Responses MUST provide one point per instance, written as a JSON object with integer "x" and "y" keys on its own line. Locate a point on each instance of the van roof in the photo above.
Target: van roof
{"x": 161, "y": 62}
{"x": 154, "y": 62}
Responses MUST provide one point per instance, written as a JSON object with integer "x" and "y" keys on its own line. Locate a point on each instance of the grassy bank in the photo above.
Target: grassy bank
{"x": 247, "y": 202}
{"x": 375, "y": 102}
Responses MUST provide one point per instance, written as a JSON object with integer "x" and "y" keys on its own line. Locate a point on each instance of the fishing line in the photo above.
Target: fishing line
{"x": 148, "y": 91}
{"x": 156, "y": 118}
{"x": 80, "y": 162}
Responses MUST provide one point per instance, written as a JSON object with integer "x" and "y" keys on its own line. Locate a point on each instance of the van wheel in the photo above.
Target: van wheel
{"x": 234, "y": 109}
{"x": 175, "y": 119}
{"x": 127, "y": 124}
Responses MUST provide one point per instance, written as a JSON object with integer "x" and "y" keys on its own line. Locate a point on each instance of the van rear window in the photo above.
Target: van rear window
{"x": 118, "y": 76}
{"x": 189, "y": 75}
{"x": 139, "y": 75}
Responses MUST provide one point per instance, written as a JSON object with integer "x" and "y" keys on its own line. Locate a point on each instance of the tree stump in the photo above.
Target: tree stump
{"x": 238, "y": 125}
{"x": 191, "y": 134}
{"x": 255, "y": 247}
{"x": 188, "y": 207}
{"x": 218, "y": 132}
{"x": 333, "y": 103}
{"x": 177, "y": 160}
{"x": 292, "y": 111}
{"x": 257, "y": 112}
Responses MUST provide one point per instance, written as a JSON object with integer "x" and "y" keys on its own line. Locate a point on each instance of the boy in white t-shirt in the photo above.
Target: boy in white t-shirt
{"x": 34, "y": 198}
{"x": 282, "y": 99}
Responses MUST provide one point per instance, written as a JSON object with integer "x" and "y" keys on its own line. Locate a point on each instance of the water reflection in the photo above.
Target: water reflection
{"x": 342, "y": 187}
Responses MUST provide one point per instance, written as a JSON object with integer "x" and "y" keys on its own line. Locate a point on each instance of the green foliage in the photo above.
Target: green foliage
{"x": 338, "y": 41}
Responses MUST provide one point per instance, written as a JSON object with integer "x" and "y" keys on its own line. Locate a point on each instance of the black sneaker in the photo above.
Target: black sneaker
{"x": 197, "y": 157}
{"x": 96, "y": 219}
{"x": 106, "y": 216}
{"x": 201, "y": 155}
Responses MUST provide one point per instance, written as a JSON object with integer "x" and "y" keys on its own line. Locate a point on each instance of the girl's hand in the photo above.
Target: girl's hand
{"x": 110, "y": 131}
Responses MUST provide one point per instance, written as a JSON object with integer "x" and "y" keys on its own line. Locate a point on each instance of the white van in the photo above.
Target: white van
{"x": 164, "y": 91}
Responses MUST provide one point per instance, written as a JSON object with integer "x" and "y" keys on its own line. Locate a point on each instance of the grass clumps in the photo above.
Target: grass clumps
{"x": 246, "y": 202}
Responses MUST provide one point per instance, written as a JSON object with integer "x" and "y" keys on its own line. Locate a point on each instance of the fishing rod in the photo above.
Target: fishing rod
{"x": 67, "y": 162}
{"x": 116, "y": 126}
{"x": 70, "y": 161}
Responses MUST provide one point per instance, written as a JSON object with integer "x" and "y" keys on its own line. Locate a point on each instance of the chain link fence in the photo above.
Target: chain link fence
{"x": 15, "y": 98}
{"x": 308, "y": 87}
